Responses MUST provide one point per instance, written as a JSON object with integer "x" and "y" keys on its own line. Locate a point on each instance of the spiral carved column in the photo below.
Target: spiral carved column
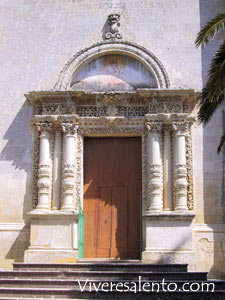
{"x": 155, "y": 166}
{"x": 68, "y": 180}
{"x": 44, "y": 166}
{"x": 180, "y": 130}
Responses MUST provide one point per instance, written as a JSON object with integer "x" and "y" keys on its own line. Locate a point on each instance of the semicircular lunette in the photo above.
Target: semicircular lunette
{"x": 113, "y": 72}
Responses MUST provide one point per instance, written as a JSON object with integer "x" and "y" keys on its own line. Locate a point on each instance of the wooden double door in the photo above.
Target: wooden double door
{"x": 112, "y": 186}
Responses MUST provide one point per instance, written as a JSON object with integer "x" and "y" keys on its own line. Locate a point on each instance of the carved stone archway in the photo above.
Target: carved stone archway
{"x": 141, "y": 54}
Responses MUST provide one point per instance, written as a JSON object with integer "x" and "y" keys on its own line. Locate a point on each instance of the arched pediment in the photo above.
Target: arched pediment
{"x": 113, "y": 66}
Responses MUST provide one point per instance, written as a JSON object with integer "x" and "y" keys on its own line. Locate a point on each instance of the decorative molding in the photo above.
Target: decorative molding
{"x": 189, "y": 166}
{"x": 139, "y": 97}
{"x": 36, "y": 151}
{"x": 112, "y": 109}
{"x": 145, "y": 194}
{"x": 212, "y": 228}
{"x": 114, "y": 24}
{"x": 13, "y": 227}
{"x": 110, "y": 131}
{"x": 79, "y": 171}
{"x": 175, "y": 215}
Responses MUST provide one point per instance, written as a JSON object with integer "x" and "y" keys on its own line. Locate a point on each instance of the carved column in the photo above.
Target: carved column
{"x": 68, "y": 180}
{"x": 155, "y": 167}
{"x": 167, "y": 169}
{"x": 180, "y": 129}
{"x": 57, "y": 169}
{"x": 44, "y": 166}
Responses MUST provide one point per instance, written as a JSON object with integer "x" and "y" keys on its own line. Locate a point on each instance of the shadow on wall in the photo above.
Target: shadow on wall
{"x": 178, "y": 247}
{"x": 18, "y": 150}
{"x": 20, "y": 244}
{"x": 213, "y": 189}
{"x": 105, "y": 29}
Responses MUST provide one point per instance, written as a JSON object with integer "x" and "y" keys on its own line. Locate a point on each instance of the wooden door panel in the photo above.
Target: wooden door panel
{"x": 119, "y": 222}
{"x": 104, "y": 222}
{"x": 112, "y": 185}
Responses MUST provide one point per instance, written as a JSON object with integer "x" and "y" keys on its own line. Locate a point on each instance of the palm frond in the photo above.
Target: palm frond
{"x": 210, "y": 29}
{"x": 212, "y": 94}
{"x": 222, "y": 140}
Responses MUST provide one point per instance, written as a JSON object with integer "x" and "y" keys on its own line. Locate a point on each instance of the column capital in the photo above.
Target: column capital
{"x": 182, "y": 126}
{"x": 70, "y": 128}
{"x": 43, "y": 126}
{"x": 167, "y": 128}
{"x": 154, "y": 127}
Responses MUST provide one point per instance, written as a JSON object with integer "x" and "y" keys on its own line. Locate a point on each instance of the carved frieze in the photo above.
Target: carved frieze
{"x": 92, "y": 111}
{"x": 114, "y": 109}
{"x": 58, "y": 108}
{"x": 132, "y": 111}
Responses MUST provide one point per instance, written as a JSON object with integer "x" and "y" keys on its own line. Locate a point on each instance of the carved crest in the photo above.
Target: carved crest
{"x": 114, "y": 24}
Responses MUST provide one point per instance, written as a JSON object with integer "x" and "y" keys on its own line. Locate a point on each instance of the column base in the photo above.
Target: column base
{"x": 53, "y": 237}
{"x": 43, "y": 207}
{"x": 181, "y": 208}
{"x": 169, "y": 238}
{"x": 67, "y": 208}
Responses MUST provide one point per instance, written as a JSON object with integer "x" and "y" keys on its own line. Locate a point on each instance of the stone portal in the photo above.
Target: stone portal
{"x": 143, "y": 108}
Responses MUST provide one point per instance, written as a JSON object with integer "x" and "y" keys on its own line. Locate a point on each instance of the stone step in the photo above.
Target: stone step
{"x": 65, "y": 293}
{"x": 106, "y": 275}
{"x": 102, "y": 266}
{"x": 74, "y": 283}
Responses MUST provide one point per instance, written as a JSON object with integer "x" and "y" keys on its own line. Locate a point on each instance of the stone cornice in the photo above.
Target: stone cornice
{"x": 52, "y": 214}
{"x": 177, "y": 215}
{"x": 141, "y": 96}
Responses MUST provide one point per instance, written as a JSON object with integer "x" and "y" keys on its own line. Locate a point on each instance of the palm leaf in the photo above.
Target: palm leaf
{"x": 210, "y": 29}
{"x": 222, "y": 140}
{"x": 212, "y": 94}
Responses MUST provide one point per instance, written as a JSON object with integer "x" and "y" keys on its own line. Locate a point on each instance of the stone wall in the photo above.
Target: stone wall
{"x": 40, "y": 37}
